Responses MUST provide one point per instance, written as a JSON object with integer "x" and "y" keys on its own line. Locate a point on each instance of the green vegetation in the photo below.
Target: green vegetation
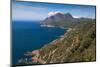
{"x": 75, "y": 46}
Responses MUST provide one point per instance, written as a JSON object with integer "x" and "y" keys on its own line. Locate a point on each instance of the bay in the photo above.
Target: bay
{"x": 29, "y": 35}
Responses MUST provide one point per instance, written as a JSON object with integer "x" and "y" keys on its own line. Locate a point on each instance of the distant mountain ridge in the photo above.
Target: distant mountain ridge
{"x": 57, "y": 17}
{"x": 62, "y": 20}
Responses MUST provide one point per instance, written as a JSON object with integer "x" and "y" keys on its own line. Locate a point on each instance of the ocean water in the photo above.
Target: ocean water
{"x": 29, "y": 35}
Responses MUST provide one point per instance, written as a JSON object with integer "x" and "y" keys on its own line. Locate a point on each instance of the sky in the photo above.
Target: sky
{"x": 30, "y": 11}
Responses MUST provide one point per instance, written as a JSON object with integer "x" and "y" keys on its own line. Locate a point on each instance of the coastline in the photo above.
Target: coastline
{"x": 61, "y": 38}
{"x": 68, "y": 46}
{"x": 52, "y": 26}
{"x": 36, "y": 54}
{"x": 29, "y": 53}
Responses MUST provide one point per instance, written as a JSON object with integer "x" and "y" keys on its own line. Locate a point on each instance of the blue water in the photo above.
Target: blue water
{"x": 29, "y": 35}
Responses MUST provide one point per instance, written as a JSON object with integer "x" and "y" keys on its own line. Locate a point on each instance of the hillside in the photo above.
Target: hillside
{"x": 78, "y": 44}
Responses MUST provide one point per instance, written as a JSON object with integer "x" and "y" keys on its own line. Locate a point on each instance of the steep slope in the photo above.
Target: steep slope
{"x": 76, "y": 45}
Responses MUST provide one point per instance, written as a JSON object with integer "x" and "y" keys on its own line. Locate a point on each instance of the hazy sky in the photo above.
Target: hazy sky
{"x": 39, "y": 11}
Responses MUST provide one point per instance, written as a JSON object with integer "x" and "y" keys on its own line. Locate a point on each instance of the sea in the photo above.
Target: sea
{"x": 29, "y": 36}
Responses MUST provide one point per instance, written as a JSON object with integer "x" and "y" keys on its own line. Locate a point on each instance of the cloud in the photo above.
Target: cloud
{"x": 53, "y": 13}
{"x": 76, "y": 16}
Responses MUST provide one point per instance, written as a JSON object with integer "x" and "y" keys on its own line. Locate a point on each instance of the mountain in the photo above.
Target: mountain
{"x": 68, "y": 16}
{"x": 58, "y": 19}
{"x": 63, "y": 20}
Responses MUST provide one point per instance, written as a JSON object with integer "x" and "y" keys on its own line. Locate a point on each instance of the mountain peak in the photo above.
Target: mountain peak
{"x": 60, "y": 15}
{"x": 57, "y": 18}
{"x": 68, "y": 15}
